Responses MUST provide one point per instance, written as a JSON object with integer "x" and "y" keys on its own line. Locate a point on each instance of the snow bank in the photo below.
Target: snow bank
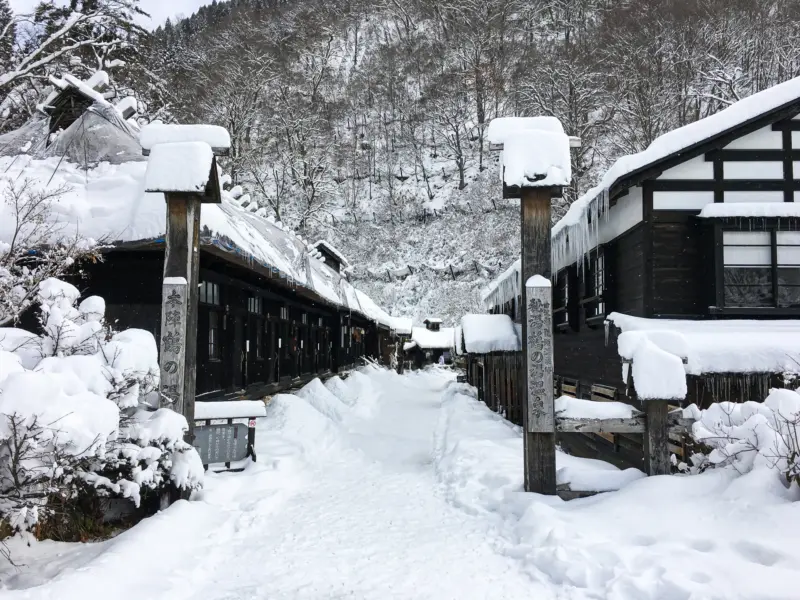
{"x": 229, "y": 410}
{"x": 179, "y": 167}
{"x": 721, "y": 346}
{"x": 489, "y": 333}
{"x": 740, "y": 544}
{"x": 321, "y": 398}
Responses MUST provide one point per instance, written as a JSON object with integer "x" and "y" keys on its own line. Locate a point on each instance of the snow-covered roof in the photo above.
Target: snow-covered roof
{"x": 403, "y": 325}
{"x": 719, "y": 346}
{"x": 504, "y": 287}
{"x": 87, "y": 88}
{"x": 719, "y": 210}
{"x": 332, "y": 250}
{"x": 433, "y": 320}
{"x": 106, "y": 200}
{"x": 444, "y": 339}
{"x": 580, "y": 224}
{"x": 489, "y": 333}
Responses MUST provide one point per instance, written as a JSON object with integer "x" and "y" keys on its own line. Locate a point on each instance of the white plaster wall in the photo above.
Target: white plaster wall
{"x": 762, "y": 139}
{"x": 681, "y": 200}
{"x": 754, "y": 196}
{"x": 752, "y": 170}
{"x": 624, "y": 215}
{"x": 696, "y": 168}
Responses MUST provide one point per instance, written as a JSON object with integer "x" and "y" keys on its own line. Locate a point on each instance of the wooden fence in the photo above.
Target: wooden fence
{"x": 644, "y": 441}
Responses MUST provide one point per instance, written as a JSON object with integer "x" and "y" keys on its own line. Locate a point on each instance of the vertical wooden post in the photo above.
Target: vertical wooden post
{"x": 179, "y": 306}
{"x": 657, "y": 437}
{"x": 537, "y": 331}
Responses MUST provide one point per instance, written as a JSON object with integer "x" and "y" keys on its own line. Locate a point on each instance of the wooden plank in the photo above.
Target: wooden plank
{"x": 634, "y": 425}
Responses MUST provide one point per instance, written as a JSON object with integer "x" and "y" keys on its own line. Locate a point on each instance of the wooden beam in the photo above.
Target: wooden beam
{"x": 537, "y": 331}
{"x": 633, "y": 425}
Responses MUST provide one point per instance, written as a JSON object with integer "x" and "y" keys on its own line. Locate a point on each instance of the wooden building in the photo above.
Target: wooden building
{"x": 271, "y": 315}
{"x": 693, "y": 243}
{"x": 428, "y": 344}
{"x": 493, "y": 361}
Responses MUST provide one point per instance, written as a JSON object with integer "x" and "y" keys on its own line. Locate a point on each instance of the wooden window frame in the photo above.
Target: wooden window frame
{"x": 203, "y": 293}
{"x": 214, "y": 348}
{"x": 748, "y": 225}
{"x": 595, "y": 302}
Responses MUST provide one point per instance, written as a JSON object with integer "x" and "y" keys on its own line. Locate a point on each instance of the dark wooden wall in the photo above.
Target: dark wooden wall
{"x": 289, "y": 337}
{"x": 682, "y": 265}
{"x": 625, "y": 265}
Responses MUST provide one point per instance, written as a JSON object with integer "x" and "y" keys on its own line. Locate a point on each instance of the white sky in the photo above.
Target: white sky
{"x": 158, "y": 9}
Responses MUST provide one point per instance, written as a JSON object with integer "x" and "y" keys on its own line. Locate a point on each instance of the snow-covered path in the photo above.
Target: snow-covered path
{"x": 343, "y": 503}
{"x": 368, "y": 522}
{"x": 384, "y": 486}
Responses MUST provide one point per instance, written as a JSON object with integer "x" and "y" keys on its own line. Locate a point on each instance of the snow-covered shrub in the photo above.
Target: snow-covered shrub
{"x": 750, "y": 435}
{"x": 73, "y": 416}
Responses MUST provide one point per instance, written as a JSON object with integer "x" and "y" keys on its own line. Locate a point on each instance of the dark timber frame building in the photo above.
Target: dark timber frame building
{"x": 271, "y": 313}
{"x": 703, "y": 225}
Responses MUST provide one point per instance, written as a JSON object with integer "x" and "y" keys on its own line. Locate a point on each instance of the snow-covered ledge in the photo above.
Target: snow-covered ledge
{"x": 721, "y": 210}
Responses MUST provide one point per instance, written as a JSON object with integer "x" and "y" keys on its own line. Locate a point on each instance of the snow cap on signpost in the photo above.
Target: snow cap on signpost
{"x": 182, "y": 159}
{"x": 535, "y": 153}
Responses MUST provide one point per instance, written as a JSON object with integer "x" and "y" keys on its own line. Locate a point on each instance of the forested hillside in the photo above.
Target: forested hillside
{"x": 364, "y": 121}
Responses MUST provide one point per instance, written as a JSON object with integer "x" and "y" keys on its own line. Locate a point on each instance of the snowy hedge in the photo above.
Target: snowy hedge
{"x": 73, "y": 413}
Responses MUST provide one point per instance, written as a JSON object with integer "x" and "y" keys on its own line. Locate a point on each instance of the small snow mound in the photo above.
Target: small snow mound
{"x": 298, "y": 421}
{"x": 321, "y": 398}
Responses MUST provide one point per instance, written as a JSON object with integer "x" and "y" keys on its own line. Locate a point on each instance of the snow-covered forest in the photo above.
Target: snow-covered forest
{"x": 364, "y": 122}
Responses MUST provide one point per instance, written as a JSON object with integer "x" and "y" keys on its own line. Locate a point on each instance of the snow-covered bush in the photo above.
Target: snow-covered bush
{"x": 74, "y": 421}
{"x": 750, "y": 435}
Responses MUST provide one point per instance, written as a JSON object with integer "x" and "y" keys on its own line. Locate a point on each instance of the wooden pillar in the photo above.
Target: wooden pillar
{"x": 537, "y": 331}
{"x": 178, "y": 360}
{"x": 656, "y": 440}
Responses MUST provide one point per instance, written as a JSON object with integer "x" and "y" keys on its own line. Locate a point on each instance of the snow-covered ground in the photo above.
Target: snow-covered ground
{"x": 387, "y": 486}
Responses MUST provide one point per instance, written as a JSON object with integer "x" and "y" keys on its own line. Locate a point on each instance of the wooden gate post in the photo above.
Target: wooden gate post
{"x": 537, "y": 331}
{"x": 186, "y": 173}
{"x": 657, "y": 437}
{"x": 178, "y": 358}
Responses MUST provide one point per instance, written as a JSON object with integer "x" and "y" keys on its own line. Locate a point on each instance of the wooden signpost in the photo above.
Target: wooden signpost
{"x": 536, "y": 166}
{"x": 183, "y": 167}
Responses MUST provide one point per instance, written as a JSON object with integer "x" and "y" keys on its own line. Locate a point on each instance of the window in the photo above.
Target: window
{"x": 254, "y": 305}
{"x": 213, "y": 335}
{"x": 560, "y": 300}
{"x": 761, "y": 269}
{"x": 593, "y": 286}
{"x": 284, "y": 313}
{"x": 304, "y": 319}
{"x": 209, "y": 293}
{"x": 259, "y": 339}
